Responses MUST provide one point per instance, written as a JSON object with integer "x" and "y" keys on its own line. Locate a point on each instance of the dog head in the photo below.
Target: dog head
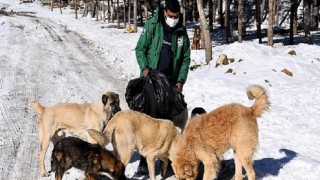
{"x": 197, "y": 30}
{"x": 110, "y": 164}
{"x": 184, "y": 170}
{"x": 111, "y": 103}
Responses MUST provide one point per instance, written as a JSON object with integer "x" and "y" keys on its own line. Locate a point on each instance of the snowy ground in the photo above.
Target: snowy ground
{"x": 52, "y": 57}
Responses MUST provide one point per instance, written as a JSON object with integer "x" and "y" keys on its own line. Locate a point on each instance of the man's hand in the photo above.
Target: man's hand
{"x": 145, "y": 72}
{"x": 179, "y": 86}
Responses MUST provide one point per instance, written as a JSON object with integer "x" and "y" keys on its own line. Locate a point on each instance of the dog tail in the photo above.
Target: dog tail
{"x": 261, "y": 103}
{"x": 37, "y": 107}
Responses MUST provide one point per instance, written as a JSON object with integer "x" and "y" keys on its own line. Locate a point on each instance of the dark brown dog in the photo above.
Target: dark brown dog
{"x": 196, "y": 38}
{"x": 91, "y": 158}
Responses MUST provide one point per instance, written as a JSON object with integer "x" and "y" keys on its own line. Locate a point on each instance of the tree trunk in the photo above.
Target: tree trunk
{"x": 124, "y": 13}
{"x": 258, "y": 16}
{"x": 214, "y": 10}
{"x": 306, "y": 19}
{"x": 135, "y": 13}
{"x": 97, "y": 10}
{"x": 315, "y": 16}
{"x": 112, "y": 12}
{"x": 75, "y": 8}
{"x": 221, "y": 13}
{"x": 262, "y": 7}
{"x": 104, "y": 11}
{"x": 194, "y": 9}
{"x": 146, "y": 18}
{"x": 276, "y": 12}
{"x": 129, "y": 14}
{"x": 60, "y": 6}
{"x": 270, "y": 22}
{"x": 240, "y": 18}
{"x": 118, "y": 14}
{"x": 109, "y": 11}
{"x": 205, "y": 29}
{"x": 210, "y": 15}
{"x": 140, "y": 12}
{"x": 293, "y": 11}
{"x": 227, "y": 21}
{"x": 51, "y": 5}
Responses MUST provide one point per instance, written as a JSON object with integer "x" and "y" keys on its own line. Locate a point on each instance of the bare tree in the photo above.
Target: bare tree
{"x": 97, "y": 10}
{"x": 59, "y": 1}
{"x": 76, "y": 8}
{"x": 146, "y": 10}
{"x": 118, "y": 14}
{"x": 315, "y": 15}
{"x": 221, "y": 13}
{"x": 214, "y": 10}
{"x": 240, "y": 17}
{"x": 129, "y": 14}
{"x": 104, "y": 11}
{"x": 227, "y": 21}
{"x": 293, "y": 20}
{"x": 270, "y": 22}
{"x": 258, "y": 19}
{"x": 205, "y": 29}
{"x": 135, "y": 14}
{"x": 111, "y": 12}
{"x": 262, "y": 7}
{"x": 194, "y": 9}
{"x": 124, "y": 13}
{"x": 210, "y": 14}
{"x": 306, "y": 19}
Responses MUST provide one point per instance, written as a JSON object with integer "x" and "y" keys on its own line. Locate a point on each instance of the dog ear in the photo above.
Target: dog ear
{"x": 99, "y": 137}
{"x": 187, "y": 169}
{"x": 104, "y": 99}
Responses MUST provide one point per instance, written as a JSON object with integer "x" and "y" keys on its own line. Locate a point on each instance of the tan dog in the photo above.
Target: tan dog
{"x": 208, "y": 136}
{"x": 73, "y": 118}
{"x": 153, "y": 138}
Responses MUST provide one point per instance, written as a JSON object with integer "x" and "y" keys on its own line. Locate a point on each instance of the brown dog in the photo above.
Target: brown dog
{"x": 73, "y": 118}
{"x": 196, "y": 38}
{"x": 153, "y": 138}
{"x": 208, "y": 136}
{"x": 91, "y": 158}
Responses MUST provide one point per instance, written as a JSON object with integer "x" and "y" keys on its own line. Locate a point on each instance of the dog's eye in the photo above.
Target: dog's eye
{"x": 112, "y": 104}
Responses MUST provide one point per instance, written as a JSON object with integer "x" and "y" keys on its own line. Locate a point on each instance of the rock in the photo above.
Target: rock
{"x": 292, "y": 52}
{"x": 222, "y": 60}
{"x": 287, "y": 72}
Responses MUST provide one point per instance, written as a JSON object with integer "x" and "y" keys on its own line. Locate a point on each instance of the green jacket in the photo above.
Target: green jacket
{"x": 150, "y": 43}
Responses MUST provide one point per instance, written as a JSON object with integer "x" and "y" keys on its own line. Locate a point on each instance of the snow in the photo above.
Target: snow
{"x": 52, "y": 57}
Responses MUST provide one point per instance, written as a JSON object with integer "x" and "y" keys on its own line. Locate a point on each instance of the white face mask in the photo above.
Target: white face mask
{"x": 172, "y": 22}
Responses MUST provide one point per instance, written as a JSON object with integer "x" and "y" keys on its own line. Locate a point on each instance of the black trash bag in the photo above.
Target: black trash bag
{"x": 155, "y": 96}
{"x": 135, "y": 94}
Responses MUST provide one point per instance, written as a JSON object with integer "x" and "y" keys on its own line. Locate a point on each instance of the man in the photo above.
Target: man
{"x": 164, "y": 45}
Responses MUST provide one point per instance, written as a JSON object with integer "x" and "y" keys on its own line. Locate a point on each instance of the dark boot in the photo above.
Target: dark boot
{"x": 143, "y": 166}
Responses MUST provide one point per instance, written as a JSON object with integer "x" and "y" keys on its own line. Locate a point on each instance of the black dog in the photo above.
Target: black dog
{"x": 91, "y": 158}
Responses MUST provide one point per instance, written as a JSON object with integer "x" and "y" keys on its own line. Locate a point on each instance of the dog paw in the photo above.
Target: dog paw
{"x": 46, "y": 174}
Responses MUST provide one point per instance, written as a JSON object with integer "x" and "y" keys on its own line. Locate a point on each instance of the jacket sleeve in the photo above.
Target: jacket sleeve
{"x": 143, "y": 46}
{"x": 183, "y": 73}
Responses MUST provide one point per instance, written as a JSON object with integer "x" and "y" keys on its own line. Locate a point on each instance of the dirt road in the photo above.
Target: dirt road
{"x": 44, "y": 61}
